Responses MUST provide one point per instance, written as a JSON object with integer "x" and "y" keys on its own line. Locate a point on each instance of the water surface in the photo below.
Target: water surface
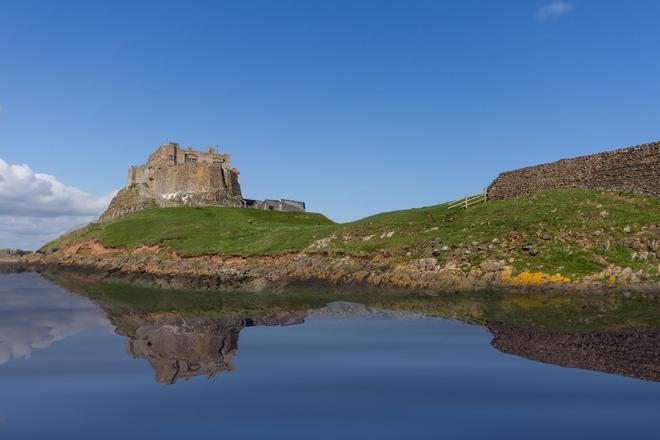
{"x": 93, "y": 364}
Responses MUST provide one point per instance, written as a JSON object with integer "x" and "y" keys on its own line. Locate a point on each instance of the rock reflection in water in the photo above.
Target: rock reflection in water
{"x": 185, "y": 347}
{"x": 632, "y": 353}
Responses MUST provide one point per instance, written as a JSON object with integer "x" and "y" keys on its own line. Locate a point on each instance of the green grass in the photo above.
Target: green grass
{"x": 200, "y": 231}
{"x": 568, "y": 218}
{"x": 568, "y": 227}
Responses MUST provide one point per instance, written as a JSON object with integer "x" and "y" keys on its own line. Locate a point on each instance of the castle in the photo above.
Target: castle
{"x": 175, "y": 176}
{"x": 183, "y": 175}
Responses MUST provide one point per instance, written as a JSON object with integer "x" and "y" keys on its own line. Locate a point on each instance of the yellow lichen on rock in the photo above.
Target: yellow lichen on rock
{"x": 527, "y": 278}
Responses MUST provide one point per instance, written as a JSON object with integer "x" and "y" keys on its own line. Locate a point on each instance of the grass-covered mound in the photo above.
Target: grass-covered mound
{"x": 203, "y": 231}
{"x": 569, "y": 231}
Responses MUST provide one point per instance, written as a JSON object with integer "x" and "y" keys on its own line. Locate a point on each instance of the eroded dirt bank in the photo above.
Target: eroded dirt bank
{"x": 152, "y": 266}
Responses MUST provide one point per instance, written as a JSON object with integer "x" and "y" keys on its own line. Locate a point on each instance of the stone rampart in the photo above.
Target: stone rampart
{"x": 627, "y": 170}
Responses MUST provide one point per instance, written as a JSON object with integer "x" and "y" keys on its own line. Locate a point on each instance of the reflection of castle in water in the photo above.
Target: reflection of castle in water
{"x": 632, "y": 353}
{"x": 184, "y": 347}
{"x": 178, "y": 347}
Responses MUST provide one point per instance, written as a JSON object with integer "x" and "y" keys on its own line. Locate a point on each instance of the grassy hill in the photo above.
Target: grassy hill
{"x": 204, "y": 231}
{"x": 570, "y": 231}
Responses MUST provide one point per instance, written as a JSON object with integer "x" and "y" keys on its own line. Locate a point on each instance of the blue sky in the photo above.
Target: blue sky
{"x": 355, "y": 107}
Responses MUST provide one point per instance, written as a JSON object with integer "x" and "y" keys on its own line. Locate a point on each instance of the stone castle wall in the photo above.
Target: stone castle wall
{"x": 629, "y": 170}
{"x": 190, "y": 178}
{"x": 172, "y": 170}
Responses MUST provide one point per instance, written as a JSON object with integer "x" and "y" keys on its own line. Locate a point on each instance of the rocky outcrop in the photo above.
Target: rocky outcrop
{"x": 127, "y": 201}
{"x": 138, "y": 197}
{"x": 633, "y": 353}
{"x": 628, "y": 170}
{"x": 158, "y": 268}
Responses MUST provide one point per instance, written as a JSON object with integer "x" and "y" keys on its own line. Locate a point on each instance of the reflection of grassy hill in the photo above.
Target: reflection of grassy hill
{"x": 570, "y": 231}
{"x": 579, "y": 312}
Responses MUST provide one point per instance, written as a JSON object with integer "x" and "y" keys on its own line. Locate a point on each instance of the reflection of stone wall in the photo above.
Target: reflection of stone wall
{"x": 633, "y": 170}
{"x": 626, "y": 353}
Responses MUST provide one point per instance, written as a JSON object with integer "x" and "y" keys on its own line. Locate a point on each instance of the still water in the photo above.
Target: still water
{"x": 98, "y": 364}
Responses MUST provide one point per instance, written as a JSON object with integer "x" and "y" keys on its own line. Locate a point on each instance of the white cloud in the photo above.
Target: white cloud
{"x": 35, "y": 207}
{"x": 554, "y": 9}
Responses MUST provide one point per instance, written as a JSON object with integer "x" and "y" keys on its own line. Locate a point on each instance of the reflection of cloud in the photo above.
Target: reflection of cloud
{"x": 36, "y": 314}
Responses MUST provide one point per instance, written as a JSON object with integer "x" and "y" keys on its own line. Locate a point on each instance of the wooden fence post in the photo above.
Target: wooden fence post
{"x": 466, "y": 205}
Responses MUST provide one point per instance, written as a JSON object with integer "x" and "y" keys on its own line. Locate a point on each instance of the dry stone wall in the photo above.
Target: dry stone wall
{"x": 628, "y": 170}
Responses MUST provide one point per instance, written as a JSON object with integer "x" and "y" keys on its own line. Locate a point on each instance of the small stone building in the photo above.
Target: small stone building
{"x": 274, "y": 205}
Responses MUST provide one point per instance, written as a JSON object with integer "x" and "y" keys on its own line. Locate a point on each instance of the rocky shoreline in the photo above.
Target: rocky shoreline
{"x": 150, "y": 266}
